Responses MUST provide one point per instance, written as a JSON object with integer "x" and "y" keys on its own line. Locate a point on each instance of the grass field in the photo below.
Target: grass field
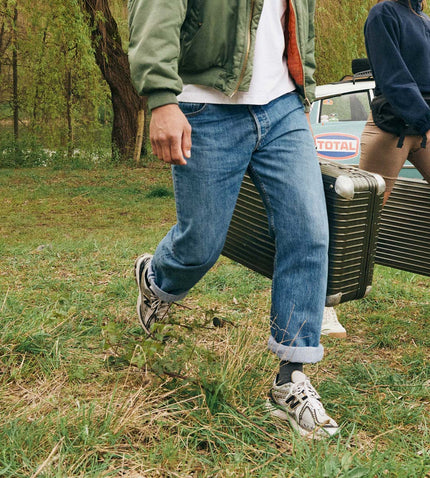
{"x": 83, "y": 393}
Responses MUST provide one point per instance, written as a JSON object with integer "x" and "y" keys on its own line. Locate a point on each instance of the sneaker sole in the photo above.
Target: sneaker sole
{"x": 337, "y": 335}
{"x": 278, "y": 413}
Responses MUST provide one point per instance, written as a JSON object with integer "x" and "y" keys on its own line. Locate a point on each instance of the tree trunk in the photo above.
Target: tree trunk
{"x": 4, "y": 39}
{"x": 69, "y": 100}
{"x": 15, "y": 74}
{"x": 113, "y": 63}
{"x": 37, "y": 96}
{"x": 1, "y": 45}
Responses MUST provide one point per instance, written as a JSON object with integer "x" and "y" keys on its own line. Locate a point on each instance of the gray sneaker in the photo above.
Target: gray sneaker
{"x": 150, "y": 308}
{"x": 299, "y": 403}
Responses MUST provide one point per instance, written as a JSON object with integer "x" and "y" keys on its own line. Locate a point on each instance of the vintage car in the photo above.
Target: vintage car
{"x": 338, "y": 117}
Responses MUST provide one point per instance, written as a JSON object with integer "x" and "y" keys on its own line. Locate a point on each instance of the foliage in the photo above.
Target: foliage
{"x": 84, "y": 393}
{"x": 339, "y": 37}
{"x": 64, "y": 102}
{"x": 28, "y": 152}
{"x": 61, "y": 94}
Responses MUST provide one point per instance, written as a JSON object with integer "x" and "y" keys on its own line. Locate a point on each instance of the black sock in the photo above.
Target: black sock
{"x": 285, "y": 371}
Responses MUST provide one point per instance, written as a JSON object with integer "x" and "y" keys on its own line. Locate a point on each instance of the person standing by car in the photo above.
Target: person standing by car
{"x": 397, "y": 37}
{"x": 242, "y": 71}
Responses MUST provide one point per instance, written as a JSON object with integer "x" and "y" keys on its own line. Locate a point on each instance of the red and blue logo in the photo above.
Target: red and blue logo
{"x": 337, "y": 146}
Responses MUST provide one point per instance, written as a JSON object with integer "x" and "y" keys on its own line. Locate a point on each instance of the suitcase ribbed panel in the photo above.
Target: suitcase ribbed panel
{"x": 248, "y": 241}
{"x": 404, "y": 237}
{"x": 353, "y": 230}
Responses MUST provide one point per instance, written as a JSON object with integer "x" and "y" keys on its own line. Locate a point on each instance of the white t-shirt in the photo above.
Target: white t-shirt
{"x": 270, "y": 77}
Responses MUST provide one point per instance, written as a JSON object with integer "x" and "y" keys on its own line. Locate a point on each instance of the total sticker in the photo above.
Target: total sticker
{"x": 337, "y": 146}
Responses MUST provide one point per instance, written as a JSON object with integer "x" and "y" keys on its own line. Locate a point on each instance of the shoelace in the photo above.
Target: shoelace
{"x": 158, "y": 305}
{"x": 309, "y": 391}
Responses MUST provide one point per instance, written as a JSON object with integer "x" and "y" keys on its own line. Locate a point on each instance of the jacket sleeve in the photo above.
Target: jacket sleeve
{"x": 310, "y": 56}
{"x": 154, "y": 47}
{"x": 393, "y": 78}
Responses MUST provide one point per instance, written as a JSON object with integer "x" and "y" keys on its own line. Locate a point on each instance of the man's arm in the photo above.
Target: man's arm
{"x": 154, "y": 48}
{"x": 153, "y": 55}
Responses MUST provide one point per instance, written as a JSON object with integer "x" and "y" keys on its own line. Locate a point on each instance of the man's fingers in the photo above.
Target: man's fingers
{"x": 176, "y": 153}
{"x": 165, "y": 155}
{"x": 186, "y": 142}
{"x": 169, "y": 151}
{"x": 155, "y": 149}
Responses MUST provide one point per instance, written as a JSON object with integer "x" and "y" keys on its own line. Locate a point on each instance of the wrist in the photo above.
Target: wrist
{"x": 161, "y": 98}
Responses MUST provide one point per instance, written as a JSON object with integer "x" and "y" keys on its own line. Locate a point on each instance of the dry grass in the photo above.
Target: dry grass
{"x": 83, "y": 393}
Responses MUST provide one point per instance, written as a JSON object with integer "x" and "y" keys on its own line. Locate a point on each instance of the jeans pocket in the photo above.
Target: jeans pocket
{"x": 192, "y": 109}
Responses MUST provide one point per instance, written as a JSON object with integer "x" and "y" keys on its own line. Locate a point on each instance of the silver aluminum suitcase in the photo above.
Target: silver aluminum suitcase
{"x": 354, "y": 202}
{"x": 404, "y": 235}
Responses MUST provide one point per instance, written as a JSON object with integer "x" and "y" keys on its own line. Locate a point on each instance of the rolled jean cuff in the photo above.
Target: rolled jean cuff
{"x": 164, "y": 296}
{"x": 296, "y": 354}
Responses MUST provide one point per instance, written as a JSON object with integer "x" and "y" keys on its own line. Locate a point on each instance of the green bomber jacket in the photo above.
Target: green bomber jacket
{"x": 211, "y": 43}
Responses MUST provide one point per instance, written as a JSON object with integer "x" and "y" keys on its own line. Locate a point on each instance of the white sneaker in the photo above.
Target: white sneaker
{"x": 299, "y": 403}
{"x": 331, "y": 325}
{"x": 150, "y": 308}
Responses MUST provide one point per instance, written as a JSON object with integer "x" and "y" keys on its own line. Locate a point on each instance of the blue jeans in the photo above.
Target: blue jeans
{"x": 274, "y": 144}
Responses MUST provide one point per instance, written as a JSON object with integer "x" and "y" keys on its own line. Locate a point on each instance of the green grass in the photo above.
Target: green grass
{"x": 83, "y": 393}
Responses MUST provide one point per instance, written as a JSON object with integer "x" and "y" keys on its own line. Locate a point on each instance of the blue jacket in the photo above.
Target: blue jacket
{"x": 398, "y": 47}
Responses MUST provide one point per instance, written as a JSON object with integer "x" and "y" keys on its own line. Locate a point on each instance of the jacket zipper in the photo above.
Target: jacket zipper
{"x": 248, "y": 48}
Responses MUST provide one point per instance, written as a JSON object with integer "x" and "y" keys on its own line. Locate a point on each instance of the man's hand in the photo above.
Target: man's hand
{"x": 170, "y": 134}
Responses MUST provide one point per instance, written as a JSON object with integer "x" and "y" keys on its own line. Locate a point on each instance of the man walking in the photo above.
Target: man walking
{"x": 228, "y": 83}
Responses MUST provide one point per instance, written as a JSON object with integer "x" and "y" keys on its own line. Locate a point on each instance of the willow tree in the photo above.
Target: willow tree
{"x": 48, "y": 70}
{"x": 113, "y": 63}
{"x": 9, "y": 56}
